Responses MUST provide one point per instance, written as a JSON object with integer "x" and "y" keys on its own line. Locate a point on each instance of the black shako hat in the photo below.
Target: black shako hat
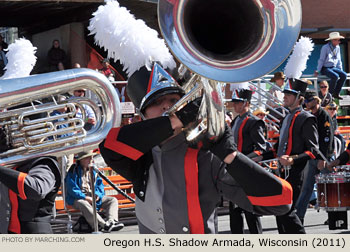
{"x": 295, "y": 86}
{"x": 241, "y": 95}
{"x": 146, "y": 86}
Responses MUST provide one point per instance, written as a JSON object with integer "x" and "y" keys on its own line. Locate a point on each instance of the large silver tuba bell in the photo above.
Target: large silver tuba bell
{"x": 31, "y": 129}
{"x": 228, "y": 41}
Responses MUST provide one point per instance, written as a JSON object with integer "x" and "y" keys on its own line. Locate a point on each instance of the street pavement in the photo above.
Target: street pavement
{"x": 314, "y": 224}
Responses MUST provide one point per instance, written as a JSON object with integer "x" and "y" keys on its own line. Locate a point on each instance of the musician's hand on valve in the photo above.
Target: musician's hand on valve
{"x": 286, "y": 160}
{"x": 321, "y": 164}
{"x": 189, "y": 113}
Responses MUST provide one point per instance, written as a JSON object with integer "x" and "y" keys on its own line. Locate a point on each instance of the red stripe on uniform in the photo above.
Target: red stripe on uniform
{"x": 240, "y": 135}
{"x": 309, "y": 153}
{"x": 14, "y": 224}
{"x": 20, "y": 185}
{"x": 113, "y": 144}
{"x": 258, "y": 152}
{"x": 290, "y": 135}
{"x": 150, "y": 81}
{"x": 285, "y": 198}
{"x": 191, "y": 178}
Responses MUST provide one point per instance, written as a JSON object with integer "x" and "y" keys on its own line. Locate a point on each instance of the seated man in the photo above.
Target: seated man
{"x": 89, "y": 113}
{"x": 78, "y": 194}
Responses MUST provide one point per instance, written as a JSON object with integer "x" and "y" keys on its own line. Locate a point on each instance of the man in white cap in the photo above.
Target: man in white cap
{"x": 330, "y": 64}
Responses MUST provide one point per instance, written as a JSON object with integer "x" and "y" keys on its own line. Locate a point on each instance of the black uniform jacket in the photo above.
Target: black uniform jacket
{"x": 127, "y": 150}
{"x": 35, "y": 184}
{"x": 325, "y": 133}
{"x": 302, "y": 139}
{"x": 251, "y": 140}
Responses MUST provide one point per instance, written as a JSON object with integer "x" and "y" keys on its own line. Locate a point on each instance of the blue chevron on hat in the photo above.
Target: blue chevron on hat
{"x": 145, "y": 86}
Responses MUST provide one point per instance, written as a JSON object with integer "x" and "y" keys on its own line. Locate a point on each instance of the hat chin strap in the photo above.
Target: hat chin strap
{"x": 296, "y": 100}
{"x": 141, "y": 114}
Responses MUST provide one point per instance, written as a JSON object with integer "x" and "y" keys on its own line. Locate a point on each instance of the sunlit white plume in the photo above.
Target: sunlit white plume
{"x": 21, "y": 59}
{"x": 128, "y": 40}
{"x": 297, "y": 60}
{"x": 241, "y": 85}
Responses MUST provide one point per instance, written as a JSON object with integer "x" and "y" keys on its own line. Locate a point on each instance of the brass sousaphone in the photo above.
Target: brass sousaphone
{"x": 228, "y": 41}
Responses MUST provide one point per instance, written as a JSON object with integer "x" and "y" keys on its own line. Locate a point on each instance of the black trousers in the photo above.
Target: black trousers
{"x": 290, "y": 223}
{"x": 40, "y": 225}
{"x": 236, "y": 221}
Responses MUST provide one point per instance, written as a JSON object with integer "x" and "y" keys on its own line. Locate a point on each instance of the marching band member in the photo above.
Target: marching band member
{"x": 27, "y": 194}
{"x": 296, "y": 145}
{"x": 248, "y": 132}
{"x": 178, "y": 186}
{"x": 27, "y": 191}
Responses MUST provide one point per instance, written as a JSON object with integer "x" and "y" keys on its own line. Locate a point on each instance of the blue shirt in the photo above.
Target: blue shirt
{"x": 329, "y": 57}
{"x": 61, "y": 126}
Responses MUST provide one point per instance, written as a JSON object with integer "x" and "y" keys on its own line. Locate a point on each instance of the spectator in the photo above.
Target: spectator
{"x": 76, "y": 65}
{"x": 3, "y": 61}
{"x": 332, "y": 110}
{"x": 330, "y": 64}
{"x": 79, "y": 195}
{"x": 261, "y": 113}
{"x": 324, "y": 94}
{"x": 62, "y": 126}
{"x": 276, "y": 92}
{"x": 60, "y": 66}
{"x": 89, "y": 113}
{"x": 55, "y": 56}
{"x": 106, "y": 70}
{"x": 3, "y": 44}
{"x": 60, "y": 100}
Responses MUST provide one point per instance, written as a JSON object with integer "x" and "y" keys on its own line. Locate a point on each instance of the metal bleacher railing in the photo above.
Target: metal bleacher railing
{"x": 262, "y": 95}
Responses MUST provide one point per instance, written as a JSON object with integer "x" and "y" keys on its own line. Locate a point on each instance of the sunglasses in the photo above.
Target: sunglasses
{"x": 260, "y": 114}
{"x": 323, "y": 87}
{"x": 332, "y": 109}
{"x": 80, "y": 91}
{"x": 309, "y": 100}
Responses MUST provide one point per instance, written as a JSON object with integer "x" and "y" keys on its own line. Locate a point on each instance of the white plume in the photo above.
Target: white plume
{"x": 129, "y": 40}
{"x": 21, "y": 59}
{"x": 240, "y": 85}
{"x": 297, "y": 60}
